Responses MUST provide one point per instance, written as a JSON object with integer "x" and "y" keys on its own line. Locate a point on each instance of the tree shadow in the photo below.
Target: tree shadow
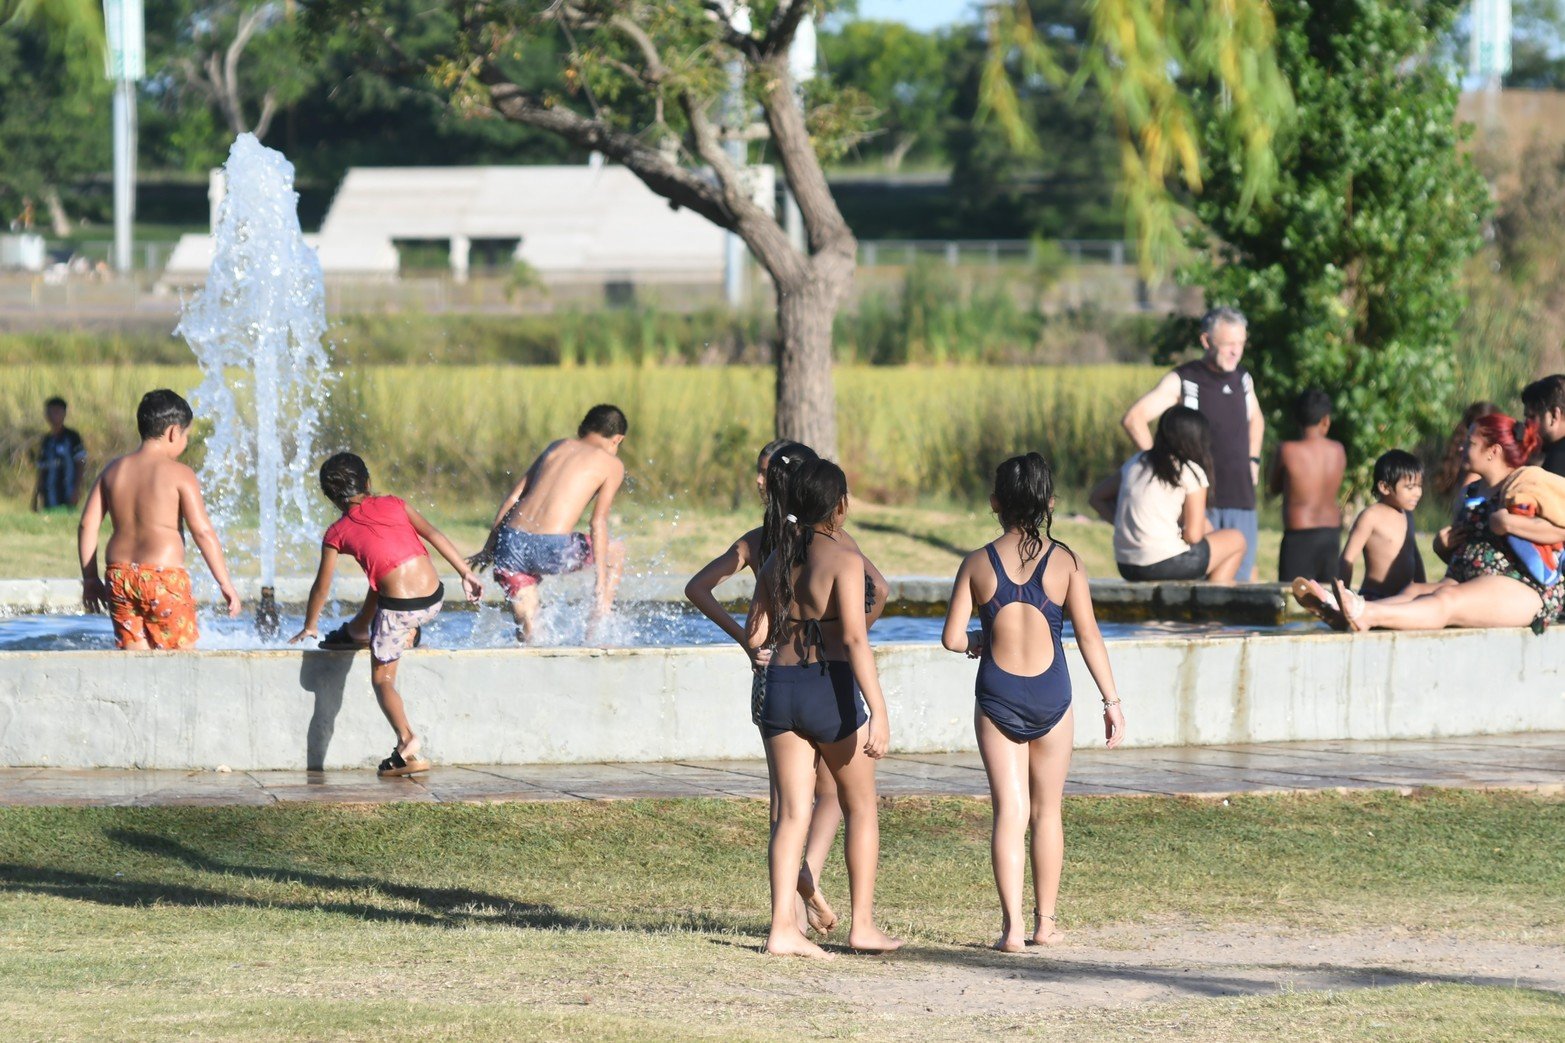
{"x": 430, "y": 906}
{"x": 1196, "y": 980}
{"x": 918, "y": 537}
{"x": 324, "y": 675}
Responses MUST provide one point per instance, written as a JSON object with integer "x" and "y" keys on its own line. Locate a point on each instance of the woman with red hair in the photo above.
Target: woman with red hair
{"x": 1483, "y": 587}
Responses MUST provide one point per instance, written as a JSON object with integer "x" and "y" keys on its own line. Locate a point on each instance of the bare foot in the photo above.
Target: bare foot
{"x": 1048, "y": 931}
{"x": 1352, "y": 606}
{"x": 1010, "y": 942}
{"x": 818, "y": 912}
{"x": 793, "y": 943}
{"x": 872, "y": 939}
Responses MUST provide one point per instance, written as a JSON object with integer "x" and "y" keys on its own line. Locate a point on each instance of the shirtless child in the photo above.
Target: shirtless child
{"x": 1307, "y": 473}
{"x": 534, "y": 532}
{"x": 150, "y": 498}
{"x": 1383, "y": 532}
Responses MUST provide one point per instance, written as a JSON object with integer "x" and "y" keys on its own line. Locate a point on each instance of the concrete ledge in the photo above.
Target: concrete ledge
{"x": 291, "y": 710}
{"x": 1256, "y": 604}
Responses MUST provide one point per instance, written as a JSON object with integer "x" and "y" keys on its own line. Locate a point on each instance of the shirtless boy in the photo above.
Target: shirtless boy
{"x": 534, "y": 531}
{"x": 150, "y": 498}
{"x": 1383, "y": 532}
{"x": 1307, "y": 473}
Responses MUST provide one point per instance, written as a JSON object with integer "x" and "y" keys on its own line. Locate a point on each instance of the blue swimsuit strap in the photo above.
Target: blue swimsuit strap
{"x": 1004, "y": 581}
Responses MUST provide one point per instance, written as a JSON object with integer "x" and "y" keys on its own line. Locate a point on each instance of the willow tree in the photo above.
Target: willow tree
{"x": 667, "y": 88}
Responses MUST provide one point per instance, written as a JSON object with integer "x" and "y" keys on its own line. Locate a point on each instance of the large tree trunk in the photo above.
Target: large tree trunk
{"x": 806, "y": 311}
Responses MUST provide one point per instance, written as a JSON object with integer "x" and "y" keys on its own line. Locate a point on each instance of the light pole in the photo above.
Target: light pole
{"x": 127, "y": 64}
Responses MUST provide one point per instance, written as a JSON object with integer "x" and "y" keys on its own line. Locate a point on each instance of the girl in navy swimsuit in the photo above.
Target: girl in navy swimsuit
{"x": 822, "y": 699}
{"x": 1023, "y": 717}
{"x": 775, "y": 467}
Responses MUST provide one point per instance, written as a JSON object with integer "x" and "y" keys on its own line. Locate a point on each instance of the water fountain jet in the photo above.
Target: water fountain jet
{"x": 257, "y": 329}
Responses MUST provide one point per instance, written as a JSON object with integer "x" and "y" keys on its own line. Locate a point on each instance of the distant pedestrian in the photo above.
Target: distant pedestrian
{"x": 62, "y": 460}
{"x": 1221, "y": 390}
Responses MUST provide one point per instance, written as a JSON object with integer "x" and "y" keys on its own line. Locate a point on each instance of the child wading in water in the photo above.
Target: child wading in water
{"x": 809, "y": 609}
{"x": 386, "y": 537}
{"x": 151, "y": 498}
{"x": 1024, "y": 718}
{"x": 775, "y": 466}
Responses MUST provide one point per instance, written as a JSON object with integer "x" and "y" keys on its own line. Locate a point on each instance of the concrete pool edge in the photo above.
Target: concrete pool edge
{"x": 261, "y": 710}
{"x": 1253, "y": 603}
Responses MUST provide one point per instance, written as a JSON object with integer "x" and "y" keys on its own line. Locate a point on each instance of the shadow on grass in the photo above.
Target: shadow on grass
{"x": 888, "y": 529}
{"x": 431, "y": 906}
{"x": 1197, "y": 980}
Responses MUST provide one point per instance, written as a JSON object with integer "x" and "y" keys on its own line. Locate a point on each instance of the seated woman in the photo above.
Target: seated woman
{"x": 1157, "y": 503}
{"x": 1484, "y": 586}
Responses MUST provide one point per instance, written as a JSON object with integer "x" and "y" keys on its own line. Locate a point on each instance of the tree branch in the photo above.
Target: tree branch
{"x": 268, "y": 110}
{"x": 785, "y": 116}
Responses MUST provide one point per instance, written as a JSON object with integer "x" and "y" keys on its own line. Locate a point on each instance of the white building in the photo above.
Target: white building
{"x": 593, "y": 223}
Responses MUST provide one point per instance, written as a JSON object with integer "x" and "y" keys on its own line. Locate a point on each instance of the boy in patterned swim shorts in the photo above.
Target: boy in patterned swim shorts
{"x": 534, "y": 530}
{"x": 151, "y": 499}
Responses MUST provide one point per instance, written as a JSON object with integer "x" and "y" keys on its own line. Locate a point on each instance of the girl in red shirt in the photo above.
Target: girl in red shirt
{"x": 385, "y": 536}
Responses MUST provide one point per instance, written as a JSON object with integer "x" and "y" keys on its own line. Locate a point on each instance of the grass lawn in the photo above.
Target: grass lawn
{"x": 640, "y": 920}
{"x": 663, "y": 538}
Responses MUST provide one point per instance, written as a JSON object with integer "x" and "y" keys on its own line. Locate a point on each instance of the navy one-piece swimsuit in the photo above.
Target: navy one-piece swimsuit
{"x": 1024, "y": 708}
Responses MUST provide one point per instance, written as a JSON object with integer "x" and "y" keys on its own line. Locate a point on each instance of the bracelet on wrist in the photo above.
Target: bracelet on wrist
{"x": 1111, "y": 702}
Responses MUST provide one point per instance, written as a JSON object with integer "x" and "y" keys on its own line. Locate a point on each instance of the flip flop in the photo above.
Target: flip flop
{"x": 1352, "y": 607}
{"x": 396, "y": 765}
{"x": 1319, "y": 602}
{"x": 340, "y": 640}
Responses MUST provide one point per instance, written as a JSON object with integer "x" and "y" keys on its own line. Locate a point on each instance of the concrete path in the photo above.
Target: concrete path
{"x": 1533, "y": 761}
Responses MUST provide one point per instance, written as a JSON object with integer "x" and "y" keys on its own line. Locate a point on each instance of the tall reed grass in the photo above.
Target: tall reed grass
{"x": 465, "y": 433}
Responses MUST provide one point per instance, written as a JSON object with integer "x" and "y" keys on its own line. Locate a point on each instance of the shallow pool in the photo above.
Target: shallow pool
{"x": 642, "y": 625}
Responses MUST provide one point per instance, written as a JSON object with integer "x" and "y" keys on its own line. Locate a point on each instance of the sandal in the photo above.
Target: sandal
{"x": 399, "y": 764}
{"x": 1320, "y": 602}
{"x": 1352, "y": 607}
{"x": 340, "y": 640}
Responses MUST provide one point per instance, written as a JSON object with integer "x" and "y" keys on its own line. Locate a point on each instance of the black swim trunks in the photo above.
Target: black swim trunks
{"x": 1311, "y": 553}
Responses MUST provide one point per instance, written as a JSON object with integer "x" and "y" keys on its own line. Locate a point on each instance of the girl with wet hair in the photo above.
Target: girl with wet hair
{"x": 776, "y": 465}
{"x": 823, "y": 700}
{"x": 1024, "y": 717}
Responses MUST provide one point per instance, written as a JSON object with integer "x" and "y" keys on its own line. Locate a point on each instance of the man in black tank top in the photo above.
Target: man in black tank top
{"x": 1221, "y": 389}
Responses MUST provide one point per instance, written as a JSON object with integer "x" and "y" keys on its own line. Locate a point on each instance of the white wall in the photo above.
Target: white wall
{"x": 284, "y": 709}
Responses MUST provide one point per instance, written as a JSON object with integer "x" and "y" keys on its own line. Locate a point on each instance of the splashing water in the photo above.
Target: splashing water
{"x": 257, "y": 330}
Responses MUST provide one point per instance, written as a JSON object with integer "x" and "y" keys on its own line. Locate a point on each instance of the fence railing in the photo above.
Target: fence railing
{"x": 960, "y": 252}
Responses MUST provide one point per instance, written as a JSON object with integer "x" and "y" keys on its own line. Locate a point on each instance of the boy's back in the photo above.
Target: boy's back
{"x": 142, "y": 493}
{"x": 562, "y": 482}
{"x": 1309, "y": 476}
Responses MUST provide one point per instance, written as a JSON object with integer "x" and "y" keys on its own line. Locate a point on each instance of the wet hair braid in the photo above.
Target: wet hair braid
{"x": 814, "y": 491}
{"x": 343, "y": 477}
{"x": 1024, "y": 491}
{"x": 784, "y": 462}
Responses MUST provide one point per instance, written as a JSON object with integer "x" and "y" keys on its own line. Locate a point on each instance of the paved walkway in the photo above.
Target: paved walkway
{"x": 1533, "y": 761}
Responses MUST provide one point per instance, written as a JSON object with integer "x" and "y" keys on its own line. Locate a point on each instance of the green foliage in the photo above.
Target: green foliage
{"x": 1049, "y": 163}
{"x": 54, "y": 117}
{"x": 907, "y": 74}
{"x": 1149, "y": 59}
{"x": 1350, "y": 272}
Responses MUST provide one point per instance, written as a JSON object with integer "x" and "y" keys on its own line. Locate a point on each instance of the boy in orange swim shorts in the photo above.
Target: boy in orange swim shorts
{"x": 151, "y": 499}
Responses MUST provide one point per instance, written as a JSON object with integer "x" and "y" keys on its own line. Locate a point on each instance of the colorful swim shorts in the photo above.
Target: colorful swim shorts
{"x": 151, "y": 606}
{"x": 397, "y": 621}
{"x": 521, "y": 559}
